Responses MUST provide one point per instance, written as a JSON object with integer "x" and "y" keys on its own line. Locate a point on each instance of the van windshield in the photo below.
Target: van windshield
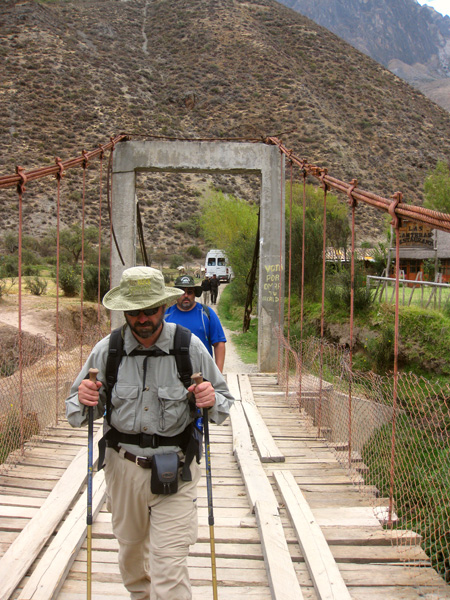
{"x": 211, "y": 262}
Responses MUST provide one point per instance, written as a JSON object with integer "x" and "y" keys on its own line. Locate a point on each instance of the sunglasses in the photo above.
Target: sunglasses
{"x": 148, "y": 312}
{"x": 189, "y": 291}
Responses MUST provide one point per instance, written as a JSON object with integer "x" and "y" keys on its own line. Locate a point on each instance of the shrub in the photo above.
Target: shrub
{"x": 6, "y": 285}
{"x": 69, "y": 281}
{"x": 9, "y": 266}
{"x": 91, "y": 282}
{"x": 338, "y": 292}
{"x": 30, "y": 270}
{"x": 381, "y": 349}
{"x": 194, "y": 251}
{"x": 37, "y": 286}
{"x": 175, "y": 261}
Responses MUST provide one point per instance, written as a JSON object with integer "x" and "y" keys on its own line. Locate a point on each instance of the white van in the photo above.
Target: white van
{"x": 216, "y": 262}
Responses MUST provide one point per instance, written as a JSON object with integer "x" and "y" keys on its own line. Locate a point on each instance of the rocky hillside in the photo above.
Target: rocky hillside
{"x": 74, "y": 72}
{"x": 412, "y": 41}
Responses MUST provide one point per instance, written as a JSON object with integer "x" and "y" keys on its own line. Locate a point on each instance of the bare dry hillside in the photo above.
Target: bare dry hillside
{"x": 74, "y": 72}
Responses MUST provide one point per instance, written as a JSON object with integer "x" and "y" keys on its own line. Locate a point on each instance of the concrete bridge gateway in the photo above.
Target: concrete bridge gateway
{"x": 225, "y": 157}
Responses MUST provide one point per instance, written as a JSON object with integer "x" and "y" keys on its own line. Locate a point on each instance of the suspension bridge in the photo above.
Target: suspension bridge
{"x": 311, "y": 497}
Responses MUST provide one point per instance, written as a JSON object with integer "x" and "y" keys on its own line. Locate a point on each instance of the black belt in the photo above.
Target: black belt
{"x": 142, "y": 461}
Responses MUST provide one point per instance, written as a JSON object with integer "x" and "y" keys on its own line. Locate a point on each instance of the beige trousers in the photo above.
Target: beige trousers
{"x": 154, "y": 531}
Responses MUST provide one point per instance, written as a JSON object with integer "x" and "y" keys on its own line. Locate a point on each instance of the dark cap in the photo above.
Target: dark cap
{"x": 186, "y": 281}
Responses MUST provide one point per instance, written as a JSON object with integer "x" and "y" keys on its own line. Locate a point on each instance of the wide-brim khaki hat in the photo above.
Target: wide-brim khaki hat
{"x": 140, "y": 287}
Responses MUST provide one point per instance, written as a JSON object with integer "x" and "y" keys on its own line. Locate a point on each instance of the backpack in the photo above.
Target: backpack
{"x": 191, "y": 439}
{"x": 116, "y": 352}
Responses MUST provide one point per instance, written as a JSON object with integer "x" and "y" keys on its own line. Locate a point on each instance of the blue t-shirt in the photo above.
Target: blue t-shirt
{"x": 210, "y": 330}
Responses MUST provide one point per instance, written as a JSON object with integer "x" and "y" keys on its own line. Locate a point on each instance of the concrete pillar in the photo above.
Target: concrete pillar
{"x": 225, "y": 157}
{"x": 271, "y": 261}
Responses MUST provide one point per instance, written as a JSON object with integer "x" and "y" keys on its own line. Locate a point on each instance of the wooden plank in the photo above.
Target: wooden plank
{"x": 280, "y": 571}
{"x": 347, "y": 516}
{"x": 23, "y": 551}
{"x": 256, "y": 483}
{"x": 48, "y": 577}
{"x": 241, "y": 433}
{"x": 246, "y": 389}
{"x": 326, "y": 577}
{"x": 267, "y": 448}
{"x": 20, "y": 512}
{"x": 11, "y": 500}
{"x": 233, "y": 386}
{"x": 75, "y": 590}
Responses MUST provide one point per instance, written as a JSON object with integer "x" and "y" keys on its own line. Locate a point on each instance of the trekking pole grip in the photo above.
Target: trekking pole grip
{"x": 92, "y": 377}
{"x": 197, "y": 378}
{"x": 93, "y": 374}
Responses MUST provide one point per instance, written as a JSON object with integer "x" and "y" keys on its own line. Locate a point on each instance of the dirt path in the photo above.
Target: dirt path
{"x": 38, "y": 318}
{"x": 233, "y": 363}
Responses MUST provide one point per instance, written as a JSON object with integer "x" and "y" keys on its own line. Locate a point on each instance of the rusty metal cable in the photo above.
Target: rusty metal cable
{"x": 396, "y": 222}
{"x": 99, "y": 263}
{"x": 280, "y": 287}
{"x": 13, "y": 180}
{"x": 288, "y": 318}
{"x": 59, "y": 175}
{"x": 322, "y": 310}
{"x": 353, "y": 205}
{"x": 413, "y": 213}
{"x": 21, "y": 190}
{"x": 140, "y": 231}
{"x": 302, "y": 292}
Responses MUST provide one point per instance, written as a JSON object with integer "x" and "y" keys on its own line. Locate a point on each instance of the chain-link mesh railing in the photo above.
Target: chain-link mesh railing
{"x": 400, "y": 453}
{"x": 32, "y": 396}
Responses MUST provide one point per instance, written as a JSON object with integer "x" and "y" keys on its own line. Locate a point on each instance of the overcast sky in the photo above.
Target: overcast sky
{"x": 442, "y": 6}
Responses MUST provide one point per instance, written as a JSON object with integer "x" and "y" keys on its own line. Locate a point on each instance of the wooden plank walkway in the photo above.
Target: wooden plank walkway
{"x": 295, "y": 514}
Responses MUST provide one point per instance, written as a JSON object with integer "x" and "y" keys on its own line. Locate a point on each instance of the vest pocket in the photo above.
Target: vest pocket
{"x": 172, "y": 408}
{"x": 124, "y": 400}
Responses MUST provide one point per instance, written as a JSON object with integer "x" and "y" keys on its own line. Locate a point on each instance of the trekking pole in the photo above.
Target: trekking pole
{"x": 198, "y": 378}
{"x": 93, "y": 377}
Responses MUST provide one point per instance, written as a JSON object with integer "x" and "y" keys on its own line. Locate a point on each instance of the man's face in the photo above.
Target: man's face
{"x": 187, "y": 300}
{"x": 145, "y": 326}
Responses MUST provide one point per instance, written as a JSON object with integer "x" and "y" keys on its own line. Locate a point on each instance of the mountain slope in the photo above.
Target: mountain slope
{"x": 413, "y": 41}
{"x": 75, "y": 71}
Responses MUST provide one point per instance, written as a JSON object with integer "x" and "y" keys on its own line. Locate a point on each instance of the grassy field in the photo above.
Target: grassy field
{"x": 422, "y": 296}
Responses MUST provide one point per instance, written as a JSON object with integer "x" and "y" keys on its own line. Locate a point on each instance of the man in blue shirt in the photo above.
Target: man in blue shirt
{"x": 202, "y": 321}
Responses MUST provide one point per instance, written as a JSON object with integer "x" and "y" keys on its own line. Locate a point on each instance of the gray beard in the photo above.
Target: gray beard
{"x": 149, "y": 330}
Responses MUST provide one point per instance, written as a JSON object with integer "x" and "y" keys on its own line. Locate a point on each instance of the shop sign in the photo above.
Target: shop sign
{"x": 416, "y": 235}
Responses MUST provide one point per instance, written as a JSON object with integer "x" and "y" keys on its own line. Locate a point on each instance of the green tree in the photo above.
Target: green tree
{"x": 70, "y": 241}
{"x": 338, "y": 231}
{"x": 230, "y": 224}
{"x": 437, "y": 188}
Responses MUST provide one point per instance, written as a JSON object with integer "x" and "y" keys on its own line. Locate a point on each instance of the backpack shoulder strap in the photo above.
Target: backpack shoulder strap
{"x": 206, "y": 310}
{"x": 115, "y": 353}
{"x": 180, "y": 350}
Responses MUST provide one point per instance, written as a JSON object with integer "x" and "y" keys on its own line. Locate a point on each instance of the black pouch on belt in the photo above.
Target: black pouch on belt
{"x": 164, "y": 478}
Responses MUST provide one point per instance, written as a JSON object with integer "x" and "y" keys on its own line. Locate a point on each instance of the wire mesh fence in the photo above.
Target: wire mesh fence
{"x": 399, "y": 452}
{"x": 36, "y": 378}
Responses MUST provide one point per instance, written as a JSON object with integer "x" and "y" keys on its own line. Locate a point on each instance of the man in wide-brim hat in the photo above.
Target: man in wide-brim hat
{"x": 149, "y": 416}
